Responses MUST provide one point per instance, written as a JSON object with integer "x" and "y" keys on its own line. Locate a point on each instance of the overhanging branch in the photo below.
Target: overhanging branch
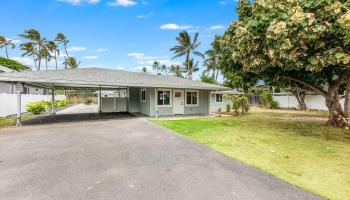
{"x": 303, "y": 82}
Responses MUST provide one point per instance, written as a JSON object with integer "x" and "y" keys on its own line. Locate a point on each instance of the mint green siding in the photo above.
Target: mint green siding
{"x": 150, "y": 108}
{"x": 203, "y": 104}
{"x": 215, "y": 106}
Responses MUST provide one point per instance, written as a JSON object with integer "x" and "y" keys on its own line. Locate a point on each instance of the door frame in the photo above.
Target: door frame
{"x": 174, "y": 102}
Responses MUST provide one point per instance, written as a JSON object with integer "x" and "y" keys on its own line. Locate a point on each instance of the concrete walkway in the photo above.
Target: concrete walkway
{"x": 126, "y": 159}
{"x": 80, "y": 109}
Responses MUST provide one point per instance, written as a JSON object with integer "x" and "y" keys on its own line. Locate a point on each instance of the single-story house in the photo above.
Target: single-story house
{"x": 152, "y": 95}
{"x": 219, "y": 99}
{"x": 9, "y": 88}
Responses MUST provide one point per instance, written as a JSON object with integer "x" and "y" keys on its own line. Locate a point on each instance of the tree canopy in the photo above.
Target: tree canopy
{"x": 306, "y": 42}
{"x": 12, "y": 64}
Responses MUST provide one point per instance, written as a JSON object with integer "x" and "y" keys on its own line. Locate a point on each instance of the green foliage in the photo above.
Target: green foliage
{"x": 274, "y": 104}
{"x": 228, "y": 108}
{"x": 88, "y": 101}
{"x": 37, "y": 108}
{"x": 240, "y": 103}
{"x": 12, "y": 64}
{"x": 204, "y": 77}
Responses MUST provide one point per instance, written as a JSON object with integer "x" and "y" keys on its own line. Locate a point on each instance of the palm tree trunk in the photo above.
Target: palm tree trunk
{"x": 189, "y": 73}
{"x": 56, "y": 59}
{"x": 46, "y": 63}
{"x": 7, "y": 55}
{"x": 35, "y": 62}
{"x": 65, "y": 49}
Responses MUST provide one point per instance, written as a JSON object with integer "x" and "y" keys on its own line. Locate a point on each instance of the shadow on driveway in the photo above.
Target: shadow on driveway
{"x": 63, "y": 118}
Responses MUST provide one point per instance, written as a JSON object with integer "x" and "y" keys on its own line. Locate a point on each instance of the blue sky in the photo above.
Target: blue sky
{"x": 117, "y": 34}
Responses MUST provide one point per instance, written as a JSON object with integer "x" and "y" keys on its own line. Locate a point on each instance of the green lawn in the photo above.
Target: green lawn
{"x": 294, "y": 146}
{"x": 11, "y": 121}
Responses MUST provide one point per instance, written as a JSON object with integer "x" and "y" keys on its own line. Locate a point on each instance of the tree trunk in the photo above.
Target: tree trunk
{"x": 7, "y": 55}
{"x": 347, "y": 101}
{"x": 56, "y": 59}
{"x": 336, "y": 115}
{"x": 35, "y": 62}
{"x": 300, "y": 96}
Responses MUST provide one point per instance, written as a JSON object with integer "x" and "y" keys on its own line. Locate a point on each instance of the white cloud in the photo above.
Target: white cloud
{"x": 14, "y": 40}
{"x": 80, "y": 2}
{"x": 119, "y": 67}
{"x": 90, "y": 57}
{"x": 145, "y": 15}
{"x": 76, "y": 49}
{"x": 123, "y": 3}
{"x": 216, "y": 27}
{"x": 24, "y": 60}
{"x": 101, "y": 50}
{"x": 175, "y": 27}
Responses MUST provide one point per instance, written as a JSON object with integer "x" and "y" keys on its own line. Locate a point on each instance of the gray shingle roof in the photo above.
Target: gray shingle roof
{"x": 94, "y": 77}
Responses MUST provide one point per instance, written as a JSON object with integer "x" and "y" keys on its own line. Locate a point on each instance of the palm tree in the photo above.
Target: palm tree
{"x": 144, "y": 70}
{"x": 53, "y": 48}
{"x": 212, "y": 62}
{"x": 186, "y": 47}
{"x": 156, "y": 66}
{"x": 4, "y": 43}
{"x": 45, "y": 54}
{"x": 193, "y": 67}
{"x": 30, "y": 50}
{"x": 71, "y": 62}
{"x": 164, "y": 69}
{"x": 176, "y": 70}
{"x": 62, "y": 39}
{"x": 36, "y": 41}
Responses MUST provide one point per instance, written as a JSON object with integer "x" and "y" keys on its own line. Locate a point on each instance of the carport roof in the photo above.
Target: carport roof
{"x": 106, "y": 78}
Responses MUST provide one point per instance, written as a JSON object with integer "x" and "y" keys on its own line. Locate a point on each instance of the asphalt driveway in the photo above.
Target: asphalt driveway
{"x": 124, "y": 158}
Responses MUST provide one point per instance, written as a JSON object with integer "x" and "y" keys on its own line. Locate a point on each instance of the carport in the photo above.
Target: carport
{"x": 151, "y": 95}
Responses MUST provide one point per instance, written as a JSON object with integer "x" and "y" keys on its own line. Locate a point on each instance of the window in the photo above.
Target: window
{"x": 163, "y": 98}
{"x": 143, "y": 95}
{"x": 218, "y": 98}
{"x": 192, "y": 98}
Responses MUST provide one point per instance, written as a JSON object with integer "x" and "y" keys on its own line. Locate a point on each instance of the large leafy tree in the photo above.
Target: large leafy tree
{"x": 186, "y": 47}
{"x": 4, "y": 43}
{"x": 294, "y": 39}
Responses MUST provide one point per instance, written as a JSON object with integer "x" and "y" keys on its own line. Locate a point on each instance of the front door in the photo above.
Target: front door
{"x": 178, "y": 102}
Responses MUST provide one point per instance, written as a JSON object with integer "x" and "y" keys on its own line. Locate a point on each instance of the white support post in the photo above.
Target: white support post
{"x": 53, "y": 102}
{"x": 100, "y": 100}
{"x": 156, "y": 102}
{"x": 19, "y": 107}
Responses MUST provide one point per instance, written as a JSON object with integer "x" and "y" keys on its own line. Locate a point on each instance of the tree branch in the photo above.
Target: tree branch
{"x": 303, "y": 82}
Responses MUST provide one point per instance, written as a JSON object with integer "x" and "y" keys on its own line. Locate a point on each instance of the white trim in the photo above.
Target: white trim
{"x": 145, "y": 90}
{"x": 191, "y": 105}
{"x": 170, "y": 98}
{"x": 222, "y": 98}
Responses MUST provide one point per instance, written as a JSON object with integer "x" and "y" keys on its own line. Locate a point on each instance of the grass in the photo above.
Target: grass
{"x": 291, "y": 145}
{"x": 11, "y": 121}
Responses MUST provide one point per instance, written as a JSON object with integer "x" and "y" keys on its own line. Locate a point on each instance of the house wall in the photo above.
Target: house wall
{"x": 5, "y": 88}
{"x": 214, "y": 106}
{"x": 149, "y": 107}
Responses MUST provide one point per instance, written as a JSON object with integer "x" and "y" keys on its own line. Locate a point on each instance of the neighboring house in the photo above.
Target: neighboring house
{"x": 219, "y": 99}
{"x": 7, "y": 88}
{"x": 152, "y": 95}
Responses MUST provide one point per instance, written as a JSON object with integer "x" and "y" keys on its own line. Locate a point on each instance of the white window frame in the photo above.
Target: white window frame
{"x": 143, "y": 90}
{"x": 191, "y": 105}
{"x": 222, "y": 98}
{"x": 170, "y": 98}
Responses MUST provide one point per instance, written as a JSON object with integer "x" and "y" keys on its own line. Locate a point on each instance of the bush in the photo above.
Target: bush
{"x": 228, "y": 108}
{"x": 36, "y": 108}
{"x": 219, "y": 109}
{"x": 274, "y": 105}
{"x": 240, "y": 103}
{"x": 88, "y": 101}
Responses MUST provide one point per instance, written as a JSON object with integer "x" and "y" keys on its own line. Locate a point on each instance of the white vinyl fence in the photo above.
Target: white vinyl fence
{"x": 314, "y": 102}
{"x": 8, "y": 102}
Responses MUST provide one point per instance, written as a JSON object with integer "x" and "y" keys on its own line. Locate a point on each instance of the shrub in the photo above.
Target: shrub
{"x": 88, "y": 101}
{"x": 228, "y": 108}
{"x": 36, "y": 108}
{"x": 240, "y": 103}
{"x": 274, "y": 105}
{"x": 219, "y": 109}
